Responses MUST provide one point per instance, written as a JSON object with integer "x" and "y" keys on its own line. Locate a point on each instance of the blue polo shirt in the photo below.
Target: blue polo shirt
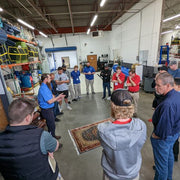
{"x": 175, "y": 74}
{"x": 89, "y": 69}
{"x": 166, "y": 118}
{"x": 75, "y": 76}
{"x": 44, "y": 95}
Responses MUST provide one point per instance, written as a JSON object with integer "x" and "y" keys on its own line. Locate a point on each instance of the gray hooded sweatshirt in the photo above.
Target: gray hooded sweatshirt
{"x": 122, "y": 143}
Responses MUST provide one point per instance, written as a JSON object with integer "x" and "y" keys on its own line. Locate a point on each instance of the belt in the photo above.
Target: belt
{"x": 46, "y": 109}
{"x": 134, "y": 92}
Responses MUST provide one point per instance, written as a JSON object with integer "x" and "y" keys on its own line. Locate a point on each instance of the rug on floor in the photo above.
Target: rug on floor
{"x": 85, "y": 138}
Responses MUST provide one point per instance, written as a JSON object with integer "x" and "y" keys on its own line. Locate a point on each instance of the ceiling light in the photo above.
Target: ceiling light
{"x": 94, "y": 19}
{"x": 88, "y": 31}
{"x": 1, "y": 9}
{"x": 42, "y": 34}
{"x": 177, "y": 27}
{"x": 26, "y": 24}
{"x": 102, "y": 3}
{"x": 170, "y": 18}
{"x": 166, "y": 32}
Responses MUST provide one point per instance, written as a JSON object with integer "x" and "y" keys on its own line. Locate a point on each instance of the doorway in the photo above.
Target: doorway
{"x": 66, "y": 62}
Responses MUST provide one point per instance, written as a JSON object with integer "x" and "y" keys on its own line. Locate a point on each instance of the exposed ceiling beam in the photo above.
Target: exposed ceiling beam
{"x": 91, "y": 12}
{"x": 133, "y": 2}
{"x": 38, "y": 11}
{"x": 70, "y": 13}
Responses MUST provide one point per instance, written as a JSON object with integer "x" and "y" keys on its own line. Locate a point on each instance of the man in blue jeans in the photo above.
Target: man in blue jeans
{"x": 166, "y": 121}
{"x": 106, "y": 75}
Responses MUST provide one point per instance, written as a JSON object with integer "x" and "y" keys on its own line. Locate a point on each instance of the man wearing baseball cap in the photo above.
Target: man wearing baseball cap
{"x": 122, "y": 139}
{"x": 173, "y": 69}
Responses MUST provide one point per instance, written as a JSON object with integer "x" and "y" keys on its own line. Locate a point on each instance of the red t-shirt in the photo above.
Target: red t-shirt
{"x": 118, "y": 85}
{"x": 136, "y": 80}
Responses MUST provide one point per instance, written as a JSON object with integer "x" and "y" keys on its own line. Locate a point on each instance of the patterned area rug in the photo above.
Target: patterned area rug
{"x": 85, "y": 138}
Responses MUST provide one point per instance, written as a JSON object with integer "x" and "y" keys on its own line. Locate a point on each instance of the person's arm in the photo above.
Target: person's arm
{"x": 48, "y": 144}
{"x": 54, "y": 99}
{"x": 132, "y": 82}
{"x": 128, "y": 82}
{"x": 93, "y": 71}
{"x": 136, "y": 81}
{"x": 163, "y": 117}
{"x": 101, "y": 74}
{"x": 114, "y": 78}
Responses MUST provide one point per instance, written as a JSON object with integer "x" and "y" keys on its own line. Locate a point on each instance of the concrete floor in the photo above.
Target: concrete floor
{"x": 87, "y": 166}
{"x": 90, "y": 109}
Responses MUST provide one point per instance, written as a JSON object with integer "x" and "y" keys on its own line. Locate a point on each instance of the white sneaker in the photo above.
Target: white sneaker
{"x": 109, "y": 98}
{"x": 69, "y": 108}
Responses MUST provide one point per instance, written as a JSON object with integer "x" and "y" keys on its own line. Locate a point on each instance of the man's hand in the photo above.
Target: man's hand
{"x": 60, "y": 97}
{"x": 89, "y": 72}
{"x": 51, "y": 155}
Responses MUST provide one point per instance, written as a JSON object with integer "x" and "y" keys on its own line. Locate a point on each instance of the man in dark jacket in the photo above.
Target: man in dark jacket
{"x": 166, "y": 126}
{"x": 55, "y": 93}
{"x": 106, "y": 75}
{"x": 24, "y": 148}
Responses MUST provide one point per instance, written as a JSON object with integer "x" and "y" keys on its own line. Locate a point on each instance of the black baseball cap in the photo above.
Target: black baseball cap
{"x": 121, "y": 97}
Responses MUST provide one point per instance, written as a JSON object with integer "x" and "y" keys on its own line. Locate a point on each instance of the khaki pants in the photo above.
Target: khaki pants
{"x": 77, "y": 90}
{"x": 107, "y": 178}
{"x": 71, "y": 92}
{"x": 91, "y": 82}
{"x": 135, "y": 97}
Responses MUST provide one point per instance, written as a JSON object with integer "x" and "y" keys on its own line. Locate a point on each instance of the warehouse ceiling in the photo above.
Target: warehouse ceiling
{"x": 171, "y": 8}
{"x": 66, "y": 16}
{"x": 73, "y": 16}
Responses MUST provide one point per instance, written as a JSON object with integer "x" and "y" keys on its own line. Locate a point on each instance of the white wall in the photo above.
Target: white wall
{"x": 86, "y": 45}
{"x": 140, "y": 32}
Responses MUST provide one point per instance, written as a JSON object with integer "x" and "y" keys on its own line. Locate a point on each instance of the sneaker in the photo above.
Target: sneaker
{"x": 57, "y": 120}
{"x": 87, "y": 93}
{"x": 69, "y": 108}
{"x": 103, "y": 97}
{"x": 93, "y": 93}
{"x": 60, "y": 113}
{"x": 109, "y": 98}
{"x": 74, "y": 100}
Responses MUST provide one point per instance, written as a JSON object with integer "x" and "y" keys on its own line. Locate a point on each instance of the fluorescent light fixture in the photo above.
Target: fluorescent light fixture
{"x": 102, "y": 3}
{"x": 1, "y": 9}
{"x": 42, "y": 34}
{"x": 170, "y": 18}
{"x": 177, "y": 27}
{"x": 166, "y": 32}
{"x": 26, "y": 24}
{"x": 88, "y": 31}
{"x": 94, "y": 19}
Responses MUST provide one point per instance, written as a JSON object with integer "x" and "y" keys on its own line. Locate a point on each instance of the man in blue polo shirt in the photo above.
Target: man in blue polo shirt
{"x": 166, "y": 121}
{"x": 89, "y": 72}
{"x": 46, "y": 102}
{"x": 76, "y": 82}
{"x": 173, "y": 69}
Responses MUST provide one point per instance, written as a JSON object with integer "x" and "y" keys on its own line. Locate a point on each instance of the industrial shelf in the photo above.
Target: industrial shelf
{"x": 20, "y": 39}
{"x": 19, "y": 64}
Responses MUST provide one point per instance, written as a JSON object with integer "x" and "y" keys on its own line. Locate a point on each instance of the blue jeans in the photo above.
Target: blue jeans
{"x": 106, "y": 85}
{"x": 164, "y": 157}
{"x": 56, "y": 109}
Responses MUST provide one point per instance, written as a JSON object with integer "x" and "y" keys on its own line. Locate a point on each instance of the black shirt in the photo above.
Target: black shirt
{"x": 106, "y": 75}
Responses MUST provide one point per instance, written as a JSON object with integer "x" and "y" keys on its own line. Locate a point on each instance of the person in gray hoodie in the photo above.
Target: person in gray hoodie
{"x": 122, "y": 140}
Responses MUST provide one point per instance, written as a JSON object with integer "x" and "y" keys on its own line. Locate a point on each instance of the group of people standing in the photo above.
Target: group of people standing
{"x": 123, "y": 139}
{"x": 25, "y": 150}
{"x": 118, "y": 79}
